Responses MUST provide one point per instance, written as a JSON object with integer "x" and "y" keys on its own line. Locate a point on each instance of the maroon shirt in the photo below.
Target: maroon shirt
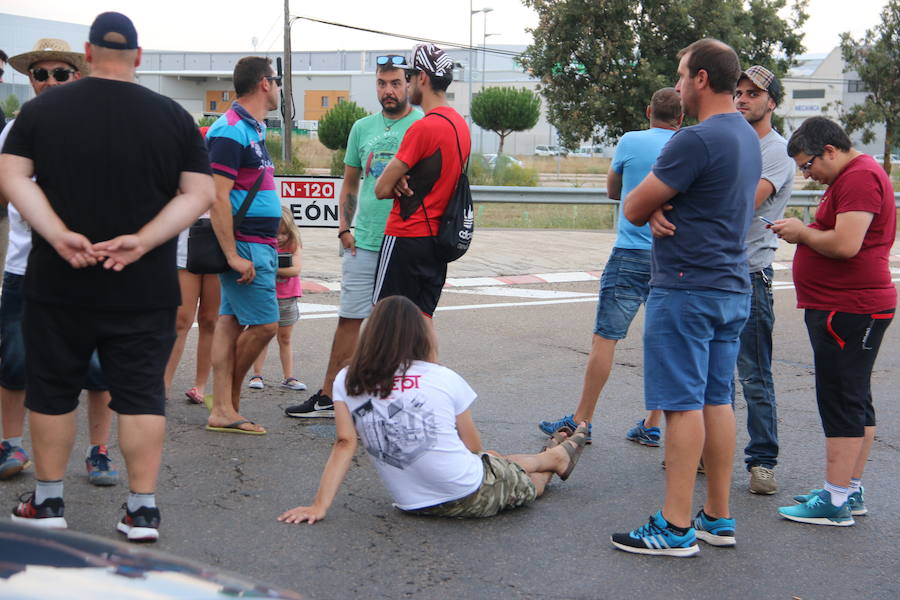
{"x": 862, "y": 284}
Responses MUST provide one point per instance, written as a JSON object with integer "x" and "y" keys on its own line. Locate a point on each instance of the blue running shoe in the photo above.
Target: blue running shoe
{"x": 12, "y": 460}
{"x": 647, "y": 436}
{"x": 99, "y": 467}
{"x": 566, "y": 424}
{"x": 819, "y": 510}
{"x": 856, "y": 500}
{"x": 656, "y": 538}
{"x": 716, "y": 532}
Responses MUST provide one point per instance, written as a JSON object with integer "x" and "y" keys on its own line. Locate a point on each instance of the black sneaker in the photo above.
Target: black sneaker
{"x": 141, "y": 525}
{"x": 317, "y": 405}
{"x": 47, "y": 514}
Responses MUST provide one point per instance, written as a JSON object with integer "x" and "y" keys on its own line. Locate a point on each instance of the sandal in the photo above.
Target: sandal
{"x": 194, "y": 395}
{"x": 555, "y": 440}
{"x": 579, "y": 439}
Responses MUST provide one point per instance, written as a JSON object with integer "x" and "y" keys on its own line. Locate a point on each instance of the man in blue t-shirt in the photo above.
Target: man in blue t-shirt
{"x": 626, "y": 278}
{"x": 248, "y": 314}
{"x": 706, "y": 177}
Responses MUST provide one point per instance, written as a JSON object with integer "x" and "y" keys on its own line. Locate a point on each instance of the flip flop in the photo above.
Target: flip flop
{"x": 194, "y": 395}
{"x": 235, "y": 428}
{"x": 579, "y": 438}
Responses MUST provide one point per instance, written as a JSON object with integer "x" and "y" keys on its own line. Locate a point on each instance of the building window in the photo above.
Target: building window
{"x": 212, "y": 106}
{"x": 855, "y": 85}
{"x": 809, "y": 94}
{"x": 226, "y": 96}
{"x": 451, "y": 96}
{"x": 340, "y": 100}
{"x": 324, "y": 101}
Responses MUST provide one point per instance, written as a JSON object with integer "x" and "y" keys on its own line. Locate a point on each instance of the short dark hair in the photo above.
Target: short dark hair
{"x": 3, "y": 56}
{"x": 396, "y": 334}
{"x": 388, "y": 67}
{"x": 440, "y": 84}
{"x": 248, "y": 72}
{"x": 718, "y": 59}
{"x": 814, "y": 134}
{"x": 665, "y": 105}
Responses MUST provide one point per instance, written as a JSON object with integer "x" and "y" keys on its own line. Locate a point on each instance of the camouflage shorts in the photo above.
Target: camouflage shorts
{"x": 505, "y": 485}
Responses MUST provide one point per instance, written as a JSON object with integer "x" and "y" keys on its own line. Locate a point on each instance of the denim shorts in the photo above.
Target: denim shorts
{"x": 357, "y": 283}
{"x": 691, "y": 343}
{"x": 254, "y": 303}
{"x": 624, "y": 286}
{"x": 12, "y": 343}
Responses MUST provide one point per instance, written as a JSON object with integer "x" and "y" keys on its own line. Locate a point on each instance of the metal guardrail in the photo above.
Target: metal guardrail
{"x": 805, "y": 199}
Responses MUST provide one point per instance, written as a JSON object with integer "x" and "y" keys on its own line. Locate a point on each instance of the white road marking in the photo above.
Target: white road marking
{"x": 516, "y": 292}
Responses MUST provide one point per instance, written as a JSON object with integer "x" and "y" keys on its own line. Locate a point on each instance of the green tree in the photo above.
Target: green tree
{"x": 505, "y": 109}
{"x": 876, "y": 58}
{"x": 599, "y": 61}
{"x": 10, "y": 106}
{"x": 334, "y": 126}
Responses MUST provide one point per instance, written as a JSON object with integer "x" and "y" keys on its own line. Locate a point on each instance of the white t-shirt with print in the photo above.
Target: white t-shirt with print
{"x": 411, "y": 435}
{"x": 19, "y": 231}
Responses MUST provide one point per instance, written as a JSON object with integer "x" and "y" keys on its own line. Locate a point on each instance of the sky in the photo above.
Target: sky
{"x": 231, "y": 25}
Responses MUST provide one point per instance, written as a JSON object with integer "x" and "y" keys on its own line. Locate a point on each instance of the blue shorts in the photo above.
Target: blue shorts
{"x": 254, "y": 303}
{"x": 624, "y": 286}
{"x": 691, "y": 343}
{"x": 12, "y": 342}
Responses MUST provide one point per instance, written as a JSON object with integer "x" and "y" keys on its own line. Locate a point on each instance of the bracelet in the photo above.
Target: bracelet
{"x": 342, "y": 232}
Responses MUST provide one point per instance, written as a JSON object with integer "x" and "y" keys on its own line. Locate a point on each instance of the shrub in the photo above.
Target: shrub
{"x": 334, "y": 127}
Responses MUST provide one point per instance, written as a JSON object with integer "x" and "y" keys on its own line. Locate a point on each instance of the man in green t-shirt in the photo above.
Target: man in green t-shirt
{"x": 372, "y": 144}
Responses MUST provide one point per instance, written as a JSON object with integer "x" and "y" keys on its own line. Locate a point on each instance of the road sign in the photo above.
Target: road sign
{"x": 313, "y": 200}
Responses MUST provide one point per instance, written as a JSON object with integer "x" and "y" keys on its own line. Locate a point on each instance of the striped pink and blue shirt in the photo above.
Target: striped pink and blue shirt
{"x": 237, "y": 150}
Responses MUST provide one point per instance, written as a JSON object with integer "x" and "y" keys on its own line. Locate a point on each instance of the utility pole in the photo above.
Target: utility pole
{"x": 287, "y": 102}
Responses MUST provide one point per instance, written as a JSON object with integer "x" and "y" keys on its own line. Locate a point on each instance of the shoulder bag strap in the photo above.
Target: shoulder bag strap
{"x": 458, "y": 147}
{"x": 242, "y": 212}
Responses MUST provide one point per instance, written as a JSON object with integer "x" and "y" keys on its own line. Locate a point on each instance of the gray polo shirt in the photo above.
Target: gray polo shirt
{"x": 778, "y": 169}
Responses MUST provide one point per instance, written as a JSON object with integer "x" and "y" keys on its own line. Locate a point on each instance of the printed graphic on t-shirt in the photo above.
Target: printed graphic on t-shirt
{"x": 378, "y": 160}
{"x": 404, "y": 433}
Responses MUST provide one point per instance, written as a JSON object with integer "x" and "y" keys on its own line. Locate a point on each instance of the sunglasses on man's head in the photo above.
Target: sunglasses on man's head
{"x": 392, "y": 59}
{"x": 60, "y": 74}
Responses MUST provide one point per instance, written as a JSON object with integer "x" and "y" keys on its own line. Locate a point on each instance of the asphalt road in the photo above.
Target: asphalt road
{"x": 220, "y": 493}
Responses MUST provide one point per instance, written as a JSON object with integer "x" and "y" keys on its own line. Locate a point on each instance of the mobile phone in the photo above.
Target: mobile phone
{"x": 285, "y": 260}
{"x": 766, "y": 221}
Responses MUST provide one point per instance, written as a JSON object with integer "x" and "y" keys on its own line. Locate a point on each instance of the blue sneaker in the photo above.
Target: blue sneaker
{"x": 647, "y": 436}
{"x": 566, "y": 424}
{"x": 819, "y": 510}
{"x": 856, "y": 500}
{"x": 12, "y": 460}
{"x": 99, "y": 467}
{"x": 656, "y": 538}
{"x": 716, "y": 532}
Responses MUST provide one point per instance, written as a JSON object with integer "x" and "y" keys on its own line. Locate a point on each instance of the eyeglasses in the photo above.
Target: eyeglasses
{"x": 393, "y": 59}
{"x": 274, "y": 79}
{"x": 805, "y": 167}
{"x": 60, "y": 74}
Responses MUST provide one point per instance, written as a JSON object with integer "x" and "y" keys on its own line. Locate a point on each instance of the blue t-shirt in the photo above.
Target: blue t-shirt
{"x": 634, "y": 157}
{"x": 237, "y": 150}
{"x": 715, "y": 166}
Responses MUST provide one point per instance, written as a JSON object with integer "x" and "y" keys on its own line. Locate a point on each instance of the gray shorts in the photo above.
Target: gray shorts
{"x": 358, "y": 283}
{"x": 505, "y": 485}
{"x": 288, "y": 312}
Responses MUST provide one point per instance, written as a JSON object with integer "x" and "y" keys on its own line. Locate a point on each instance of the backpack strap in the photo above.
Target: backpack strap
{"x": 458, "y": 147}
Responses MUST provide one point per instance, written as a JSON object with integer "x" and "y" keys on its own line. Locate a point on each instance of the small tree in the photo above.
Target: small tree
{"x": 10, "y": 106}
{"x": 505, "y": 109}
{"x": 334, "y": 126}
{"x": 876, "y": 58}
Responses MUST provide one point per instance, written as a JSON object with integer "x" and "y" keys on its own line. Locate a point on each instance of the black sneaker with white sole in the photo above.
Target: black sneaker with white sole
{"x": 318, "y": 405}
{"x": 141, "y": 525}
{"x": 48, "y": 513}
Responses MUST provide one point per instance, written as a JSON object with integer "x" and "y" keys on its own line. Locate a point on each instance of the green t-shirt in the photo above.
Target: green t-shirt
{"x": 372, "y": 144}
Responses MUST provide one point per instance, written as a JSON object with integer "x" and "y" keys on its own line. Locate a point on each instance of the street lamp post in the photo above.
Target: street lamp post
{"x": 472, "y": 13}
{"x": 287, "y": 107}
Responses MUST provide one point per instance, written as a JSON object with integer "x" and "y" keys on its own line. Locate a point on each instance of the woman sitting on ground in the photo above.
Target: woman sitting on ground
{"x": 414, "y": 419}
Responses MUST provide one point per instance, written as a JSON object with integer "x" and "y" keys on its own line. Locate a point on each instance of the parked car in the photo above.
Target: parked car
{"x": 491, "y": 160}
{"x": 588, "y": 151}
{"x": 543, "y": 150}
{"x": 879, "y": 158}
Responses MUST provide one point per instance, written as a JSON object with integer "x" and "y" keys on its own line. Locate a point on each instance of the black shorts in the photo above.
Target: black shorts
{"x": 134, "y": 348}
{"x": 407, "y": 266}
{"x": 844, "y": 347}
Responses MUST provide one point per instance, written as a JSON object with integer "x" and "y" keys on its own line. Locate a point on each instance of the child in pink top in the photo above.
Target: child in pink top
{"x": 288, "y": 289}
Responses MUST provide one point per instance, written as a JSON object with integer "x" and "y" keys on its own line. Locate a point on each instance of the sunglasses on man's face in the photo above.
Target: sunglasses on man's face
{"x": 274, "y": 79}
{"x": 60, "y": 74}
{"x": 392, "y": 59}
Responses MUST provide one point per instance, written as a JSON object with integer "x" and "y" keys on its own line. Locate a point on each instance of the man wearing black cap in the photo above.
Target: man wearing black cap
{"x": 120, "y": 170}
{"x": 421, "y": 179}
{"x": 758, "y": 93}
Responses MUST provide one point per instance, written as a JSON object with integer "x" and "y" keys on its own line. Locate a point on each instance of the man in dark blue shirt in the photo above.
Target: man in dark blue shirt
{"x": 705, "y": 178}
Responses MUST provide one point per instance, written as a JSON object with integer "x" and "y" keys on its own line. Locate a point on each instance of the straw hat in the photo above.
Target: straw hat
{"x": 48, "y": 49}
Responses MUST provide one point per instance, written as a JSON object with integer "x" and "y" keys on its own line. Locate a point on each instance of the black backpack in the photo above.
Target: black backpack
{"x": 457, "y": 225}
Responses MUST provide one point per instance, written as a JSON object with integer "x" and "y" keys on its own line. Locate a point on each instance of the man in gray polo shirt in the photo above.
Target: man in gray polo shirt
{"x": 758, "y": 93}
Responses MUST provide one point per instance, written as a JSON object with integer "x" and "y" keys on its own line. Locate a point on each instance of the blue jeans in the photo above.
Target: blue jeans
{"x": 754, "y": 367}
{"x": 624, "y": 286}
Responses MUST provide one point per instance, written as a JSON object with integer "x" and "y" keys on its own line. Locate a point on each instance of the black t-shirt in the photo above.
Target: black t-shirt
{"x": 108, "y": 155}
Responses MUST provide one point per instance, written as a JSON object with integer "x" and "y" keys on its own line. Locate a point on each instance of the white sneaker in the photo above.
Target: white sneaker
{"x": 256, "y": 383}
{"x": 292, "y": 383}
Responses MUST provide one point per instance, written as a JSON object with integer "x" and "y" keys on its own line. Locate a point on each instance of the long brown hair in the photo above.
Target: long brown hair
{"x": 395, "y": 336}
